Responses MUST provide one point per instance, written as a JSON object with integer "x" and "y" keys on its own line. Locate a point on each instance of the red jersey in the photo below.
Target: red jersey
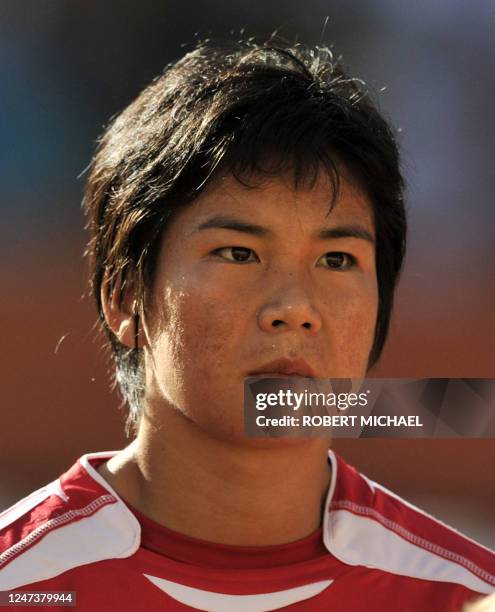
{"x": 374, "y": 551}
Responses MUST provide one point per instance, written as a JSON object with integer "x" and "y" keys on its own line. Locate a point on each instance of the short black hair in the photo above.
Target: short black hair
{"x": 250, "y": 109}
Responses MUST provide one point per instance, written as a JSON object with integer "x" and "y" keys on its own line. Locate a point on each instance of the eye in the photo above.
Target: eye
{"x": 336, "y": 260}
{"x": 236, "y": 254}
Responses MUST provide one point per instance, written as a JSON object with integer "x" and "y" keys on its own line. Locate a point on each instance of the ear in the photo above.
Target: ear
{"x": 121, "y": 315}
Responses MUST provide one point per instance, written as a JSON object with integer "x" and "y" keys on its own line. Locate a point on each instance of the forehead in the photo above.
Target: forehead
{"x": 278, "y": 205}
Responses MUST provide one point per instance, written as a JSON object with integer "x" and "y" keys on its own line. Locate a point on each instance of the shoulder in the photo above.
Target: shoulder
{"x": 75, "y": 520}
{"x": 366, "y": 524}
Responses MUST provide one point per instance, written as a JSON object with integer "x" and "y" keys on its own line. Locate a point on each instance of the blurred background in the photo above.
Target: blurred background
{"x": 67, "y": 67}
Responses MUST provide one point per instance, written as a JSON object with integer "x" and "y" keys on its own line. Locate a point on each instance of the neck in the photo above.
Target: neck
{"x": 245, "y": 493}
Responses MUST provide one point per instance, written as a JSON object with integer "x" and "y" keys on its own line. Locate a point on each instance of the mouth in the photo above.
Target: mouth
{"x": 284, "y": 368}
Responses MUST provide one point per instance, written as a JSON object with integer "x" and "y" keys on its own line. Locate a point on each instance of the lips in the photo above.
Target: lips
{"x": 284, "y": 368}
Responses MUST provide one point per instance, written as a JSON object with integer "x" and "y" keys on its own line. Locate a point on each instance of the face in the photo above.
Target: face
{"x": 246, "y": 276}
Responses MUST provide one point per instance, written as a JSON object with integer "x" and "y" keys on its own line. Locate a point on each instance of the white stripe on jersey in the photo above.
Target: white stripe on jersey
{"x": 111, "y": 532}
{"x": 223, "y": 602}
{"x": 358, "y": 540}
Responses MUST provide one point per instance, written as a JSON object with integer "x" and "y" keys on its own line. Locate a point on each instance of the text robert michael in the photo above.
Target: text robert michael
{"x": 339, "y": 420}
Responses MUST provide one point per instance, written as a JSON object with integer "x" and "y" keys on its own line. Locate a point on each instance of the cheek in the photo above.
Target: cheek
{"x": 351, "y": 320}
{"x": 193, "y": 356}
{"x": 194, "y": 333}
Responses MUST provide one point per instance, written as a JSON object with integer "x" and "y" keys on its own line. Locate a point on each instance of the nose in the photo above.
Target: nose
{"x": 292, "y": 311}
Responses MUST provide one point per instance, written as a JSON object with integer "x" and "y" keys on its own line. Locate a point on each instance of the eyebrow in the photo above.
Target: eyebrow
{"x": 350, "y": 230}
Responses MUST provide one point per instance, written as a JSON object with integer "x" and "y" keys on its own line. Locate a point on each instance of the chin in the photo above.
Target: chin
{"x": 236, "y": 436}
